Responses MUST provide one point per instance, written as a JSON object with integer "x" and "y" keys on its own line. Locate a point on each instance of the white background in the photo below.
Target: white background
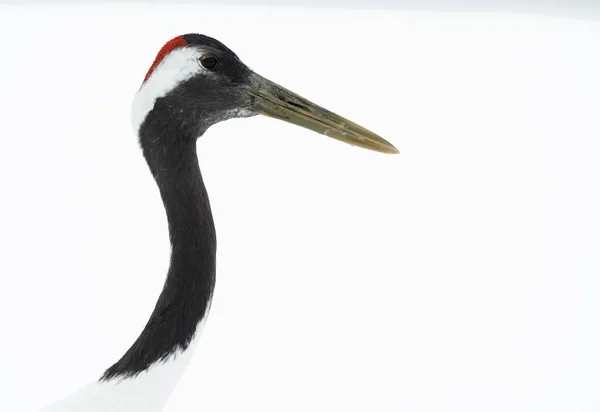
{"x": 460, "y": 275}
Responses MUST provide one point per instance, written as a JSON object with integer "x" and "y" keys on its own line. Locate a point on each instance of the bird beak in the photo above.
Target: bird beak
{"x": 272, "y": 100}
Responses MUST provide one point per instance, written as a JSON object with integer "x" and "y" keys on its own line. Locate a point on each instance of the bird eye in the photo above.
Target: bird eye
{"x": 208, "y": 61}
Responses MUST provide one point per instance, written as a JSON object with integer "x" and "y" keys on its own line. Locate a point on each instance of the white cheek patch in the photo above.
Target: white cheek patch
{"x": 178, "y": 66}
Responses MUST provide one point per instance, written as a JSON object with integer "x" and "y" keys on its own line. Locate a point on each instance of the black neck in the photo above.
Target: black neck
{"x": 191, "y": 278}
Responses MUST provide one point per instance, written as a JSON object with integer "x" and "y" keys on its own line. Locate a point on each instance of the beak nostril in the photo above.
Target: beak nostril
{"x": 299, "y": 106}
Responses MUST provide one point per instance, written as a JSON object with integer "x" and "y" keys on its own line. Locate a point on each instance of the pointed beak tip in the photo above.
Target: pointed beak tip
{"x": 386, "y": 148}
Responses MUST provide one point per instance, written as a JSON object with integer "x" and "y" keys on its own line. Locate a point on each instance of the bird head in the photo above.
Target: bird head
{"x": 196, "y": 81}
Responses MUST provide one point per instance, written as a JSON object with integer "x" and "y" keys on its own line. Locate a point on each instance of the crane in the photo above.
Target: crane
{"x": 194, "y": 82}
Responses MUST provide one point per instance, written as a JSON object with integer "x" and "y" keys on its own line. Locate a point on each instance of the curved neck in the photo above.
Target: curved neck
{"x": 144, "y": 378}
{"x": 190, "y": 281}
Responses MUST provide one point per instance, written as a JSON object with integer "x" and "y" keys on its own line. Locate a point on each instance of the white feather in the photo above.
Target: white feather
{"x": 179, "y": 65}
{"x": 147, "y": 392}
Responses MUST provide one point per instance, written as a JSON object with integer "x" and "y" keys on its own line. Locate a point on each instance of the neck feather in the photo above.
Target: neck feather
{"x": 188, "y": 289}
{"x": 144, "y": 378}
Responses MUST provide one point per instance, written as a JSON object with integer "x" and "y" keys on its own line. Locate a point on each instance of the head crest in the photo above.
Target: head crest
{"x": 169, "y": 46}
